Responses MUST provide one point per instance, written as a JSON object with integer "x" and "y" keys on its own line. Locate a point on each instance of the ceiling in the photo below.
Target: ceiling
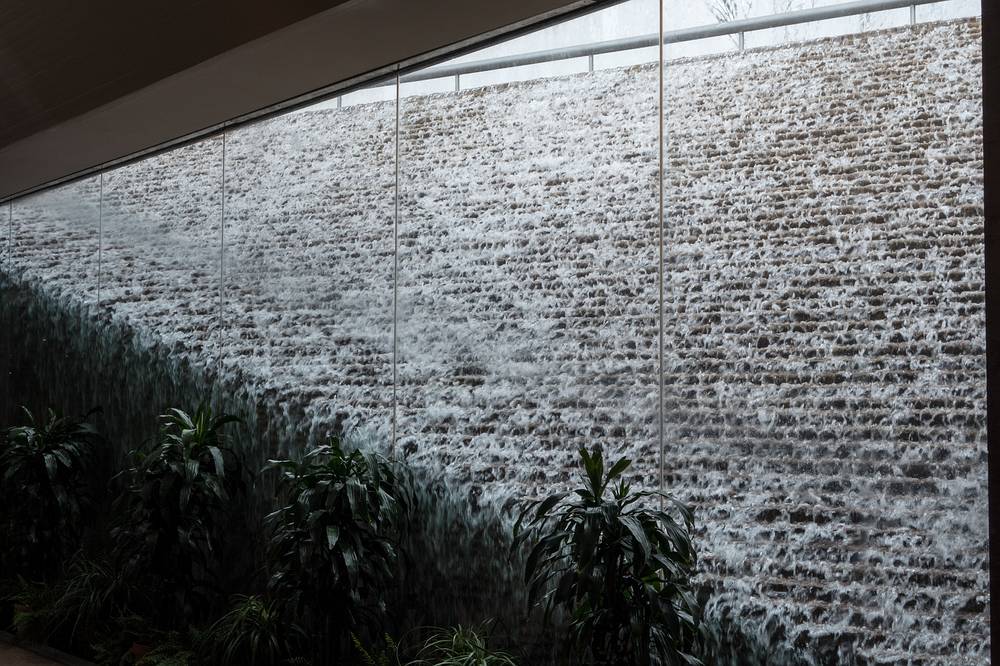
{"x": 61, "y": 58}
{"x": 82, "y": 90}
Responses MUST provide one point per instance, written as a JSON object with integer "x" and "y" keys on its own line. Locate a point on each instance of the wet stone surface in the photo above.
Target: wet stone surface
{"x": 824, "y": 360}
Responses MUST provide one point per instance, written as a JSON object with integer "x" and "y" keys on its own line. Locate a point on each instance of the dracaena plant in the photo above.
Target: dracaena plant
{"x": 44, "y": 468}
{"x": 176, "y": 504}
{"x": 333, "y": 547}
{"x": 617, "y": 563}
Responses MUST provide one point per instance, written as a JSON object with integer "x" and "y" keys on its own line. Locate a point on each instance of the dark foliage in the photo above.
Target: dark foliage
{"x": 333, "y": 549}
{"x": 619, "y": 569}
{"x": 93, "y": 598}
{"x": 175, "y": 509}
{"x": 44, "y": 495}
{"x": 255, "y": 632}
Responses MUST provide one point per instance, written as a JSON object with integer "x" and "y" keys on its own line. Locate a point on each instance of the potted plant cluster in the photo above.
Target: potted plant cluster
{"x": 158, "y": 565}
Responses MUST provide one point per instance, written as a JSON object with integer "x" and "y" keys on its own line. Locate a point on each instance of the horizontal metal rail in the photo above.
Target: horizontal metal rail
{"x": 673, "y": 37}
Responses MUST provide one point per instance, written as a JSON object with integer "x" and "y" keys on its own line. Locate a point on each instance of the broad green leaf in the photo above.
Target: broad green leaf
{"x": 617, "y": 469}
{"x": 332, "y": 535}
{"x": 546, "y": 505}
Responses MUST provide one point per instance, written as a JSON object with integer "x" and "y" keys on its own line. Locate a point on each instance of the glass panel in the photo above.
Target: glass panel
{"x": 750, "y": 8}
{"x": 825, "y": 370}
{"x": 380, "y": 93}
{"x": 523, "y": 73}
{"x": 310, "y": 204}
{"x": 6, "y": 226}
{"x": 160, "y": 268}
{"x": 54, "y": 265}
{"x": 527, "y": 322}
{"x": 681, "y": 14}
{"x": 949, "y": 9}
{"x": 630, "y": 19}
{"x": 6, "y": 319}
{"x": 845, "y": 25}
{"x": 57, "y": 240}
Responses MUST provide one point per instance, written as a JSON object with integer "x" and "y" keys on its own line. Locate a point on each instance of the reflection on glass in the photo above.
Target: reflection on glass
{"x": 528, "y": 233}
{"x": 310, "y": 200}
{"x": 53, "y": 271}
{"x": 5, "y": 314}
{"x": 846, "y": 25}
{"x": 949, "y": 9}
{"x": 56, "y": 239}
{"x": 6, "y": 226}
{"x": 160, "y": 275}
{"x": 629, "y": 19}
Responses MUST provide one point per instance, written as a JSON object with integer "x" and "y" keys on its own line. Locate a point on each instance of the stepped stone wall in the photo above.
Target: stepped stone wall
{"x": 825, "y": 364}
{"x": 823, "y": 324}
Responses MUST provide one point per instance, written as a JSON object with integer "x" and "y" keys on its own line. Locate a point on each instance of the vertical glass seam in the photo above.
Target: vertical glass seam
{"x": 660, "y": 277}
{"x": 100, "y": 237}
{"x": 222, "y": 262}
{"x": 7, "y": 269}
{"x": 395, "y": 280}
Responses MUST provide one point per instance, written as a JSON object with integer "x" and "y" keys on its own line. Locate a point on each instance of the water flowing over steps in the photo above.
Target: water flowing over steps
{"x": 824, "y": 369}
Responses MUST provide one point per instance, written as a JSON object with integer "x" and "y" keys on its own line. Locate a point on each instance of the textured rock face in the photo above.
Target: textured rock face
{"x": 825, "y": 365}
{"x": 823, "y": 323}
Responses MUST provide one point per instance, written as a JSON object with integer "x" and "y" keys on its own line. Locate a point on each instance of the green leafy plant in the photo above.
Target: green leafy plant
{"x": 460, "y": 646}
{"x": 176, "y": 507}
{"x": 44, "y": 493}
{"x": 254, "y": 633}
{"x": 618, "y": 568}
{"x": 332, "y": 549}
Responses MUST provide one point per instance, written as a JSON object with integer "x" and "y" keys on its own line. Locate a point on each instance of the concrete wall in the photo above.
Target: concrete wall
{"x": 823, "y": 327}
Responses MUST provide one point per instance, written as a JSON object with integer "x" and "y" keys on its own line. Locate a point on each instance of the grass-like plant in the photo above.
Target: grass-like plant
{"x": 253, "y": 633}
{"x": 460, "y": 646}
{"x": 87, "y": 601}
{"x": 618, "y": 568}
{"x": 44, "y": 491}
{"x": 333, "y": 550}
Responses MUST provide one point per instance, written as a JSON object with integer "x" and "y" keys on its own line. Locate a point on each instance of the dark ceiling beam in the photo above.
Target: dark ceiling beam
{"x": 61, "y": 58}
{"x": 355, "y": 40}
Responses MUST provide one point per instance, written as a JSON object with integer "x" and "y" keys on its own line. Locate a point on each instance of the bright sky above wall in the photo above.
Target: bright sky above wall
{"x": 640, "y": 17}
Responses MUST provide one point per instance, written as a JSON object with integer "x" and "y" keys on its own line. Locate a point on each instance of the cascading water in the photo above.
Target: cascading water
{"x": 824, "y": 358}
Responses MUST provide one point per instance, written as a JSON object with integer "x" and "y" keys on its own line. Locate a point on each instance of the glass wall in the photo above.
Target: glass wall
{"x": 6, "y": 294}
{"x": 54, "y": 238}
{"x": 527, "y": 285}
{"x": 310, "y": 214}
{"x": 824, "y": 361}
{"x": 161, "y": 248}
{"x": 484, "y": 272}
